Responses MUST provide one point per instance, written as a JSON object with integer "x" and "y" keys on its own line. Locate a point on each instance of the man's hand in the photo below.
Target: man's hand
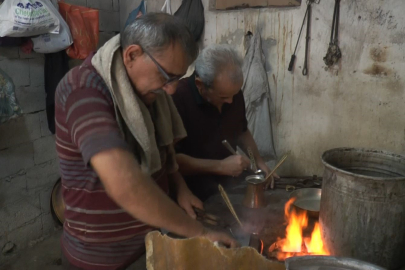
{"x": 234, "y": 165}
{"x": 187, "y": 200}
{"x": 221, "y": 237}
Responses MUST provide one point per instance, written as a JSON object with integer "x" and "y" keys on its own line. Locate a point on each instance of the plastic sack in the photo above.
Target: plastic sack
{"x": 9, "y": 107}
{"x": 24, "y": 18}
{"x": 256, "y": 92}
{"x": 83, "y": 24}
{"x": 51, "y": 43}
{"x": 139, "y": 11}
{"x": 192, "y": 14}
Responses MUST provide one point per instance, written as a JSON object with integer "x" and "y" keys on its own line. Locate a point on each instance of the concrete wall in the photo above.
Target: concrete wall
{"x": 357, "y": 103}
{"x": 28, "y": 161}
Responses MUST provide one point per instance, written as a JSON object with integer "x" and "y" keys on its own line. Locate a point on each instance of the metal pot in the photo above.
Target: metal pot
{"x": 308, "y": 199}
{"x": 57, "y": 204}
{"x": 362, "y": 213}
{"x": 254, "y": 197}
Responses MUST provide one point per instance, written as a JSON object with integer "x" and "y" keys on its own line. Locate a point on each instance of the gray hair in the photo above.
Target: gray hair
{"x": 154, "y": 32}
{"x": 213, "y": 59}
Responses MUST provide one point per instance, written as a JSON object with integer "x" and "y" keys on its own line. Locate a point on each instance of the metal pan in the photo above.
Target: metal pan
{"x": 308, "y": 199}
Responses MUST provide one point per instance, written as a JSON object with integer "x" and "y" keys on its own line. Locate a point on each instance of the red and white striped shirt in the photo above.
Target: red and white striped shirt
{"x": 98, "y": 234}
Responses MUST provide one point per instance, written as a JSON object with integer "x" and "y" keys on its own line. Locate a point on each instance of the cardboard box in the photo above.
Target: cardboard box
{"x": 233, "y": 4}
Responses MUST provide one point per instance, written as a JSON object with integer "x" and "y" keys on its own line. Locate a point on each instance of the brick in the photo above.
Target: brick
{"x": 101, "y": 4}
{"x": 76, "y": 2}
{"x": 31, "y": 231}
{"x": 12, "y": 190}
{"x": 43, "y": 121}
{"x": 18, "y": 70}
{"x": 31, "y": 98}
{"x": 15, "y": 159}
{"x": 44, "y": 149}
{"x": 37, "y": 76}
{"x": 9, "y": 53}
{"x": 42, "y": 177}
{"x": 20, "y": 130}
{"x": 104, "y": 37}
{"x": 116, "y": 5}
{"x": 109, "y": 21}
{"x": 18, "y": 213}
{"x": 31, "y": 55}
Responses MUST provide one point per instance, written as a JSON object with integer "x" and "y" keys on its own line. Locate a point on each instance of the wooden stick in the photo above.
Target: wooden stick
{"x": 275, "y": 168}
{"x": 229, "y": 204}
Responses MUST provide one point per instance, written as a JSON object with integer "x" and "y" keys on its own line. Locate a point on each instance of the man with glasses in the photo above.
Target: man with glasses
{"x": 212, "y": 108}
{"x": 115, "y": 130}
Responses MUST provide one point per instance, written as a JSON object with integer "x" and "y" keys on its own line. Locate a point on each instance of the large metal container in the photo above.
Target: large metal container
{"x": 362, "y": 212}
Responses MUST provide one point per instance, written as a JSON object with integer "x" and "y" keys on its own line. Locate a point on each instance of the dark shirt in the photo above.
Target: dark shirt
{"x": 206, "y": 129}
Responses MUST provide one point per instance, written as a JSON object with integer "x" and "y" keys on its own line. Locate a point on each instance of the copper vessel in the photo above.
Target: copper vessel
{"x": 254, "y": 197}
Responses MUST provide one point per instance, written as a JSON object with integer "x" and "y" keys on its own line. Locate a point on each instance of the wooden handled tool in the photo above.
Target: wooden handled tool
{"x": 252, "y": 159}
{"x": 274, "y": 170}
{"x": 229, "y": 204}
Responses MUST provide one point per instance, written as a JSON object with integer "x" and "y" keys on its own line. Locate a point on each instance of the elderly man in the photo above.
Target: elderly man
{"x": 212, "y": 108}
{"x": 116, "y": 126}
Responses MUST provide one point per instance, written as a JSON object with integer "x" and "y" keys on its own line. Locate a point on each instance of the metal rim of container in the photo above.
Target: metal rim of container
{"x": 326, "y": 164}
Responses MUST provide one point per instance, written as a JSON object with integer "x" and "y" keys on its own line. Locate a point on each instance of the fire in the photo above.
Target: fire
{"x": 294, "y": 244}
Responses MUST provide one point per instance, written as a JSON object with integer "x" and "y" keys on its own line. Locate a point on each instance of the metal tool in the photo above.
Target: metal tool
{"x": 292, "y": 61}
{"x": 233, "y": 152}
{"x": 207, "y": 218}
{"x": 307, "y": 17}
{"x": 334, "y": 54}
{"x": 252, "y": 159}
{"x": 229, "y": 147}
{"x": 301, "y": 183}
{"x": 307, "y": 38}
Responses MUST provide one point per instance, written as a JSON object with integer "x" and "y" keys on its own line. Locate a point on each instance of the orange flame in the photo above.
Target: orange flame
{"x": 294, "y": 244}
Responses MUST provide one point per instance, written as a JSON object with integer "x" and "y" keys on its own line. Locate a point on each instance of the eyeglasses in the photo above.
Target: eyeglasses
{"x": 169, "y": 79}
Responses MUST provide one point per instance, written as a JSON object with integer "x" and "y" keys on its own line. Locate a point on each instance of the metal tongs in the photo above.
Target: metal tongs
{"x": 207, "y": 218}
{"x": 251, "y": 158}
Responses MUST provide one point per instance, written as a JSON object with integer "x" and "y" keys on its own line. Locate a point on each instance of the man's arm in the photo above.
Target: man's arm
{"x": 191, "y": 166}
{"x": 230, "y": 166}
{"x": 131, "y": 189}
{"x": 139, "y": 195}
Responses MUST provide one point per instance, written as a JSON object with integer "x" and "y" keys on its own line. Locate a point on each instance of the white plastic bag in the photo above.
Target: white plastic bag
{"x": 51, "y": 43}
{"x": 24, "y": 18}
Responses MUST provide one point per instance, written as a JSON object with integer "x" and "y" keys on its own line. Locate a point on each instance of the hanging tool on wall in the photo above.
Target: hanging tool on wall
{"x": 307, "y": 16}
{"x": 334, "y": 54}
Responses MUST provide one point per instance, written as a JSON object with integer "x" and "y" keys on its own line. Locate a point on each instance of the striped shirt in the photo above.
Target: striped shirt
{"x": 98, "y": 234}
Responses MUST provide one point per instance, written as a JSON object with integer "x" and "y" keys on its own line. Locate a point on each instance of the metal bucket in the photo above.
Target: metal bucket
{"x": 362, "y": 212}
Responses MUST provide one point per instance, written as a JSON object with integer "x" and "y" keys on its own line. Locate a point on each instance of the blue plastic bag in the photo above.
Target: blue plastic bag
{"x": 139, "y": 11}
{"x": 9, "y": 107}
